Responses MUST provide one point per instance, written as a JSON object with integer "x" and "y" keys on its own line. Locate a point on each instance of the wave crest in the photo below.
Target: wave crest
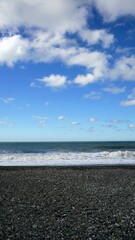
{"x": 68, "y": 158}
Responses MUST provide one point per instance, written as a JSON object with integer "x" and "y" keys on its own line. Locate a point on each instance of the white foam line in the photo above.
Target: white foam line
{"x": 68, "y": 159}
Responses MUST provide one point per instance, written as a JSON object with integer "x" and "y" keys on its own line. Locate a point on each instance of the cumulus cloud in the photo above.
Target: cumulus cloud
{"x": 84, "y": 79}
{"x": 62, "y": 118}
{"x": 54, "y": 81}
{"x": 96, "y": 60}
{"x": 124, "y": 68}
{"x": 96, "y": 63}
{"x": 114, "y": 89}
{"x": 128, "y": 103}
{"x": 47, "y": 47}
{"x": 50, "y": 41}
{"x": 60, "y": 15}
{"x": 113, "y": 9}
{"x": 97, "y": 36}
{"x": 13, "y": 49}
{"x": 92, "y": 119}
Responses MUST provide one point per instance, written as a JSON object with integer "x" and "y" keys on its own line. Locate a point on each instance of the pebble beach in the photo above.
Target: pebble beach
{"x": 83, "y": 203}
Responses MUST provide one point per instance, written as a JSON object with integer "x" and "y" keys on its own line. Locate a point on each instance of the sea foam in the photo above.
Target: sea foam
{"x": 68, "y": 158}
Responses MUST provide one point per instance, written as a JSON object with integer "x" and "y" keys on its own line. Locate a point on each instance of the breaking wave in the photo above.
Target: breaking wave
{"x": 68, "y": 158}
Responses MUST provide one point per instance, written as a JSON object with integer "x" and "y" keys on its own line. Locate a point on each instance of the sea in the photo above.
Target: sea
{"x": 67, "y": 153}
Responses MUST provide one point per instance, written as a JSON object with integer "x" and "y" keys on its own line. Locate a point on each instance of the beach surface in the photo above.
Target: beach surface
{"x": 93, "y": 203}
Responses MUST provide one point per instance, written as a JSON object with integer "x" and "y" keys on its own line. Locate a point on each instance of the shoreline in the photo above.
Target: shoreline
{"x": 73, "y": 203}
{"x": 57, "y": 167}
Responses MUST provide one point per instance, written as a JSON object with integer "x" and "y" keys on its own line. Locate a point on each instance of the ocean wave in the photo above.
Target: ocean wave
{"x": 68, "y": 158}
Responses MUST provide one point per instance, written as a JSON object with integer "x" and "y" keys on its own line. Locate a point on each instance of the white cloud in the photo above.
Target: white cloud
{"x": 54, "y": 81}
{"x": 6, "y": 122}
{"x": 8, "y": 100}
{"x": 131, "y": 126}
{"x": 63, "y": 127}
{"x": 96, "y": 60}
{"x": 124, "y": 50}
{"x": 75, "y": 123}
{"x": 48, "y": 47}
{"x": 114, "y": 89}
{"x": 128, "y": 103}
{"x": 97, "y": 36}
{"x": 41, "y": 120}
{"x": 53, "y": 20}
{"x": 93, "y": 95}
{"x": 113, "y": 9}
{"x": 84, "y": 79}
{"x": 62, "y": 118}
{"x": 13, "y": 49}
{"x": 60, "y": 15}
{"x": 132, "y": 95}
{"x": 119, "y": 121}
{"x": 124, "y": 69}
{"x": 22, "y": 106}
{"x": 131, "y": 101}
{"x": 35, "y": 84}
{"x": 49, "y": 42}
{"x": 92, "y": 120}
{"x": 96, "y": 63}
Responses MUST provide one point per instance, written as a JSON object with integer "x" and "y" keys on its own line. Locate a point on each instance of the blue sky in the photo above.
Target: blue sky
{"x": 67, "y": 70}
